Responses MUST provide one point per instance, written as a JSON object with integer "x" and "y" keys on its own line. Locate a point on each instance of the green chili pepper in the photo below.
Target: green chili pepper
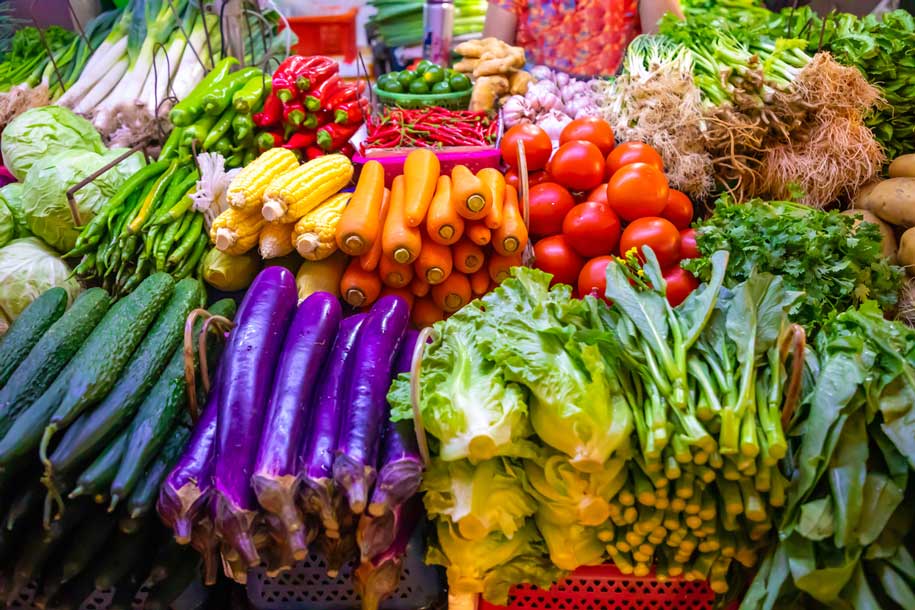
{"x": 86, "y": 264}
{"x": 191, "y": 263}
{"x": 250, "y": 155}
{"x": 187, "y": 110}
{"x": 183, "y": 225}
{"x": 150, "y": 239}
{"x": 198, "y": 131}
{"x": 220, "y": 128}
{"x": 219, "y": 96}
{"x": 223, "y": 146}
{"x": 165, "y": 244}
{"x": 171, "y": 143}
{"x": 242, "y": 127}
{"x": 154, "y": 194}
{"x": 250, "y": 95}
{"x": 187, "y": 242}
{"x": 175, "y": 205}
{"x": 138, "y": 275}
{"x": 176, "y": 211}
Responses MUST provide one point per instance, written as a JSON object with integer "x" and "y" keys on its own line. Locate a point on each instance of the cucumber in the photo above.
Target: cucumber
{"x": 144, "y": 368}
{"x": 51, "y": 354}
{"x": 98, "y": 476}
{"x": 143, "y": 496}
{"x": 106, "y": 419}
{"x": 28, "y": 328}
{"x": 126, "y": 552}
{"x": 103, "y": 356}
{"x": 88, "y": 541}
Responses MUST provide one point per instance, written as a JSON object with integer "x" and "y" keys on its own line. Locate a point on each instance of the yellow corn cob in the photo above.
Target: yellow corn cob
{"x": 247, "y": 188}
{"x": 321, "y": 276}
{"x": 295, "y": 193}
{"x": 314, "y": 235}
{"x": 276, "y": 240}
{"x": 236, "y": 231}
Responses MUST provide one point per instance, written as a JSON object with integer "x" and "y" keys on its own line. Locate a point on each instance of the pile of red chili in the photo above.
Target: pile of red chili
{"x": 429, "y": 128}
{"x": 310, "y": 109}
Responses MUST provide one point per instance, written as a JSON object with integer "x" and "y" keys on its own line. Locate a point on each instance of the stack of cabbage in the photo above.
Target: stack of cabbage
{"x": 49, "y": 150}
{"x": 567, "y": 433}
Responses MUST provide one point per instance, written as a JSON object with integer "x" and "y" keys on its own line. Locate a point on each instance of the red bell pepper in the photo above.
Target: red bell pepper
{"x": 345, "y": 93}
{"x": 313, "y": 152}
{"x": 348, "y": 113}
{"x": 300, "y": 139}
{"x": 316, "y": 98}
{"x": 334, "y": 136}
{"x": 272, "y": 112}
{"x": 293, "y": 113}
{"x": 269, "y": 139}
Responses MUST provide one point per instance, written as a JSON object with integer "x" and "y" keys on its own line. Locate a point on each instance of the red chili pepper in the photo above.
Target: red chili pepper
{"x": 318, "y": 71}
{"x": 348, "y": 150}
{"x": 346, "y": 93}
{"x": 349, "y": 112}
{"x": 315, "y": 99}
{"x": 334, "y": 136}
{"x": 283, "y": 88}
{"x": 293, "y": 113}
{"x": 300, "y": 139}
{"x": 313, "y": 120}
{"x": 287, "y": 75}
{"x": 269, "y": 139}
{"x": 313, "y": 152}
{"x": 271, "y": 114}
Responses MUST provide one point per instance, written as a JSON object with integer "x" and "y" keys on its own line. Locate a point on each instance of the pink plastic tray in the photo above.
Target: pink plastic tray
{"x": 474, "y": 158}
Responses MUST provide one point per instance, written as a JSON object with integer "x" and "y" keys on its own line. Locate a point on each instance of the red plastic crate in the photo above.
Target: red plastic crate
{"x": 326, "y": 35}
{"x": 606, "y": 588}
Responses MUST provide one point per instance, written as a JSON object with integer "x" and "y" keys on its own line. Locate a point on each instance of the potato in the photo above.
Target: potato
{"x": 892, "y": 200}
{"x": 903, "y": 167}
{"x": 906, "y": 254}
{"x": 887, "y": 236}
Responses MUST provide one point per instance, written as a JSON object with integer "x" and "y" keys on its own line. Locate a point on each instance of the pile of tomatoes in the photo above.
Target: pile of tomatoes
{"x": 591, "y": 200}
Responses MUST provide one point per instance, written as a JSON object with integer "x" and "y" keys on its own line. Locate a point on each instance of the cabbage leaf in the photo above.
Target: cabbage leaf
{"x": 28, "y": 268}
{"x": 44, "y": 132}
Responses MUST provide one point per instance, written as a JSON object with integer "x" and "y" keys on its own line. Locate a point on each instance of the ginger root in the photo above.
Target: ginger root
{"x": 486, "y": 90}
{"x": 467, "y": 66}
{"x": 518, "y": 82}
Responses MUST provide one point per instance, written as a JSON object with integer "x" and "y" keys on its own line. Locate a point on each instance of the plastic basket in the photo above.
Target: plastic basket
{"x": 326, "y": 35}
{"x": 606, "y": 588}
{"x": 456, "y": 100}
{"x": 307, "y": 586}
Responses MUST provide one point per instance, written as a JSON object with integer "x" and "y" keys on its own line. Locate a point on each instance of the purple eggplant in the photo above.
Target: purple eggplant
{"x": 184, "y": 493}
{"x": 307, "y": 344}
{"x": 375, "y": 534}
{"x": 250, "y": 358}
{"x": 401, "y": 468}
{"x": 360, "y": 432}
{"x": 377, "y": 578}
{"x": 317, "y": 458}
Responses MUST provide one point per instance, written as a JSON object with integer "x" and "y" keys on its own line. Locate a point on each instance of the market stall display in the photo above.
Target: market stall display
{"x": 400, "y": 22}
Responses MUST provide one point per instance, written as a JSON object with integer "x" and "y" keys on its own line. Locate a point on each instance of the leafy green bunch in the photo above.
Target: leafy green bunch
{"x": 823, "y": 254}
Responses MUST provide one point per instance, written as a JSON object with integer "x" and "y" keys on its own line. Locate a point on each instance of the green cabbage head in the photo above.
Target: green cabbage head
{"x": 45, "y": 132}
{"x": 28, "y": 268}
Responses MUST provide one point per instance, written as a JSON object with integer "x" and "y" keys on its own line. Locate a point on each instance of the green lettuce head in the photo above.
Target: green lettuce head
{"x": 571, "y": 546}
{"x": 11, "y": 197}
{"x": 7, "y": 225}
{"x": 481, "y": 499}
{"x": 28, "y": 268}
{"x": 46, "y": 132}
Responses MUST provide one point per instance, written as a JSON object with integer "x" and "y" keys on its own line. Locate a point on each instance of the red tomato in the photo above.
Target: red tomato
{"x": 593, "y": 277}
{"x": 578, "y": 166}
{"x": 636, "y": 191}
{"x": 632, "y": 152}
{"x": 511, "y": 177}
{"x": 599, "y": 194}
{"x": 550, "y": 203}
{"x": 589, "y": 129}
{"x": 592, "y": 228}
{"x": 688, "y": 247}
{"x": 680, "y": 283}
{"x": 679, "y": 209}
{"x": 657, "y": 233}
{"x": 554, "y": 255}
{"x": 537, "y": 146}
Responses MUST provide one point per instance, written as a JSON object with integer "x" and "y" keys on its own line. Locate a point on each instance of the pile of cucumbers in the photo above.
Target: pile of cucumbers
{"x": 427, "y": 77}
{"x": 148, "y": 226}
{"x": 93, "y": 414}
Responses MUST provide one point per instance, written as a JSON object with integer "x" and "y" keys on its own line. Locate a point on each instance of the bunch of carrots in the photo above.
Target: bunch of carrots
{"x": 436, "y": 240}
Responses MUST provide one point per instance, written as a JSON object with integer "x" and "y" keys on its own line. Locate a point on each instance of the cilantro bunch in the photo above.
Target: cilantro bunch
{"x": 836, "y": 265}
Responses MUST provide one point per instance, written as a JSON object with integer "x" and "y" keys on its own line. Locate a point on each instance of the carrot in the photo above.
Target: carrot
{"x": 394, "y": 274}
{"x": 468, "y": 257}
{"x": 511, "y": 237}
{"x": 369, "y": 260}
{"x": 419, "y": 286}
{"x": 398, "y": 241}
{"x": 360, "y": 225}
{"x": 426, "y": 312}
{"x": 500, "y": 266}
{"x": 494, "y": 179}
{"x": 479, "y": 282}
{"x": 420, "y": 173}
{"x": 472, "y": 199}
{"x": 453, "y": 293}
{"x": 443, "y": 224}
{"x": 359, "y": 287}
{"x": 434, "y": 263}
{"x": 478, "y": 233}
{"x": 403, "y": 293}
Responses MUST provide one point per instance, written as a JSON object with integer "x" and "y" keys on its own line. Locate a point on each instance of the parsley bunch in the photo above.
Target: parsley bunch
{"x": 836, "y": 265}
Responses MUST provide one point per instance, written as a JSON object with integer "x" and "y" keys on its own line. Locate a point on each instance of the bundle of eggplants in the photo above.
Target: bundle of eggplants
{"x": 294, "y": 446}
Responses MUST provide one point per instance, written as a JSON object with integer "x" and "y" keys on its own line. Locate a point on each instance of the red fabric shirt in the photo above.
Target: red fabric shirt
{"x": 581, "y": 37}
